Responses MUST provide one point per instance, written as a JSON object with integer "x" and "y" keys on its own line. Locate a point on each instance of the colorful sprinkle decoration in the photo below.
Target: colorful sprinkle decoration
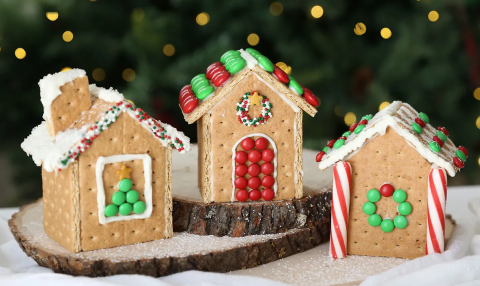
{"x": 242, "y": 110}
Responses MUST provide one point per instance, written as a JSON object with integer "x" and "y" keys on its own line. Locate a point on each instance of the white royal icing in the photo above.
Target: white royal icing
{"x": 147, "y": 169}
{"x": 109, "y": 95}
{"x": 251, "y": 61}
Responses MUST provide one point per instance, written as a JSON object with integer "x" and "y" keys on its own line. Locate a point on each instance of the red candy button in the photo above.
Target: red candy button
{"x": 461, "y": 148}
{"x": 241, "y": 157}
{"x": 444, "y": 130}
{"x": 268, "y": 155}
{"x": 247, "y": 144}
{"x": 458, "y": 162}
{"x": 261, "y": 143}
{"x": 438, "y": 140}
{"x": 281, "y": 75}
{"x": 240, "y": 170}
{"x": 241, "y": 195}
{"x": 420, "y": 122}
{"x": 310, "y": 97}
{"x": 268, "y": 181}
{"x": 254, "y": 156}
{"x": 189, "y": 104}
{"x": 254, "y": 195}
{"x": 363, "y": 121}
{"x": 268, "y": 194}
{"x": 253, "y": 170}
{"x": 386, "y": 190}
{"x": 342, "y": 137}
{"x": 185, "y": 92}
{"x": 240, "y": 183}
{"x": 352, "y": 127}
{"x": 254, "y": 183}
{"x": 320, "y": 156}
{"x": 267, "y": 168}
{"x": 211, "y": 69}
{"x": 330, "y": 143}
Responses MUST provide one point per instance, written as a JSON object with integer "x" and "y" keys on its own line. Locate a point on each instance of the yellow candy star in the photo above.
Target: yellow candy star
{"x": 124, "y": 172}
{"x": 255, "y": 99}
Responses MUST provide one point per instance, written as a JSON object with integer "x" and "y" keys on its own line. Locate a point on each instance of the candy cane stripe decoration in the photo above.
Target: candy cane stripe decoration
{"x": 342, "y": 172}
{"x": 437, "y": 197}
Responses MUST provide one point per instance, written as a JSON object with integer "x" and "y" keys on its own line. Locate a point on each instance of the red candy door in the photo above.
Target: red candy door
{"x": 254, "y": 168}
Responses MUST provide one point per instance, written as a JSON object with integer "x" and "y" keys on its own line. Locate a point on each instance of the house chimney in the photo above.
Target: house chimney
{"x": 64, "y": 96}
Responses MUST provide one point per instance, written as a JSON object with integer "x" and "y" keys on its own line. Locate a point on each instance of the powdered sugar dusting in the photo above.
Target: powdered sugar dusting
{"x": 109, "y": 95}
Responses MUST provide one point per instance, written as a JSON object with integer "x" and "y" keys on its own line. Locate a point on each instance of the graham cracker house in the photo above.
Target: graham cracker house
{"x": 106, "y": 166}
{"x": 249, "y": 126}
{"x": 390, "y": 184}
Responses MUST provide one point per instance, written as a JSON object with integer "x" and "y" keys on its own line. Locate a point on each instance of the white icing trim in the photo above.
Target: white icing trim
{"x": 109, "y": 95}
{"x": 288, "y": 101}
{"x": 378, "y": 126}
{"x": 274, "y": 161}
{"x": 251, "y": 61}
{"x": 147, "y": 168}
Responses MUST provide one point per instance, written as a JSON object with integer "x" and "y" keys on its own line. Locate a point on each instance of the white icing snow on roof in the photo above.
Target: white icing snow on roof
{"x": 50, "y": 87}
{"x": 109, "y": 95}
{"x": 398, "y": 116}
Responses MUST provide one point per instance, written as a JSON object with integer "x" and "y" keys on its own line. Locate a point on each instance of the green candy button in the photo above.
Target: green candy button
{"x": 400, "y": 221}
{"x": 295, "y": 85}
{"x": 369, "y": 208}
{"x": 441, "y": 135}
{"x": 359, "y": 128}
{"x": 373, "y": 195}
{"x": 346, "y": 134}
{"x": 417, "y": 128}
{"x": 374, "y": 220}
{"x": 461, "y": 155}
{"x": 367, "y": 117}
{"x": 229, "y": 54}
{"x": 326, "y": 149}
{"x": 204, "y": 91}
{"x": 399, "y": 196}
{"x": 405, "y": 208}
{"x": 139, "y": 207}
{"x": 434, "y": 146}
{"x": 198, "y": 81}
{"x": 125, "y": 185}
{"x": 265, "y": 63}
{"x": 111, "y": 210}
{"x": 339, "y": 143}
{"x": 118, "y": 198}
{"x": 235, "y": 65}
{"x": 387, "y": 225}
{"x": 125, "y": 209}
{"x": 254, "y": 53}
{"x": 132, "y": 196}
{"x": 424, "y": 117}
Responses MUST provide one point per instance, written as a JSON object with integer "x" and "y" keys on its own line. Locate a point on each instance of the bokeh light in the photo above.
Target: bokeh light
{"x": 317, "y": 11}
{"x": 20, "y": 53}
{"x": 478, "y": 122}
{"x": 67, "y": 36}
{"x": 169, "y": 50}
{"x": 276, "y": 8}
{"x": 383, "y": 105}
{"x": 253, "y": 39}
{"x": 128, "y": 75}
{"x": 203, "y": 18}
{"x": 350, "y": 118}
{"x": 65, "y": 69}
{"x": 138, "y": 15}
{"x": 476, "y": 93}
{"x": 98, "y": 74}
{"x": 479, "y": 160}
{"x": 52, "y": 16}
{"x": 386, "y": 33}
{"x": 433, "y": 16}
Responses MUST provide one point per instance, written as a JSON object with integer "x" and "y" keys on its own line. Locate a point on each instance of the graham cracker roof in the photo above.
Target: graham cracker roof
{"x": 223, "y": 79}
{"x": 56, "y": 153}
{"x": 402, "y": 118}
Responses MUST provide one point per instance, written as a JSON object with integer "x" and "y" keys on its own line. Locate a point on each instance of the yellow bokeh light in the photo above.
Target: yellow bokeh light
{"x": 65, "y": 69}
{"x": 433, "y": 16}
{"x": 67, "y": 36}
{"x": 128, "y": 74}
{"x": 386, "y": 33}
{"x": 479, "y": 160}
{"x": 98, "y": 74}
{"x": 169, "y": 50}
{"x": 52, "y": 16}
{"x": 138, "y": 14}
{"x": 20, "y": 53}
{"x": 317, "y": 11}
{"x": 203, "y": 18}
{"x": 253, "y": 39}
{"x": 276, "y": 8}
{"x": 383, "y": 105}
{"x": 283, "y": 66}
{"x": 0, "y": 49}
{"x": 478, "y": 122}
{"x": 350, "y": 118}
{"x": 476, "y": 93}
{"x": 338, "y": 111}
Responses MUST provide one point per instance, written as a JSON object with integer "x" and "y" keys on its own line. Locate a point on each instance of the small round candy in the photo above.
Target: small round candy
{"x": 268, "y": 155}
{"x": 265, "y": 63}
{"x": 346, "y": 134}
{"x": 420, "y": 122}
{"x": 253, "y": 170}
{"x": 254, "y": 156}
{"x": 444, "y": 130}
{"x": 139, "y": 207}
{"x": 424, "y": 117}
{"x": 374, "y": 220}
{"x": 189, "y": 105}
{"x": 241, "y": 157}
{"x": 118, "y": 198}
{"x": 295, "y": 85}
{"x": 353, "y": 127}
{"x": 111, "y": 210}
{"x": 132, "y": 196}
{"x": 204, "y": 91}
{"x": 241, "y": 170}
{"x": 463, "y": 149}
{"x": 434, "y": 146}
{"x": 326, "y": 149}
{"x": 268, "y": 194}
{"x": 319, "y": 156}
{"x": 281, "y": 75}
{"x": 125, "y": 185}
{"x": 438, "y": 140}
{"x": 228, "y": 54}
{"x": 387, "y": 225}
{"x": 373, "y": 195}
{"x": 253, "y": 183}
{"x": 254, "y": 53}
{"x": 369, "y": 208}
{"x": 240, "y": 183}
{"x": 125, "y": 209}
{"x": 458, "y": 162}
{"x": 268, "y": 181}
{"x": 331, "y": 143}
{"x": 247, "y": 144}
{"x": 386, "y": 190}
{"x": 339, "y": 143}
{"x": 460, "y": 155}
{"x": 310, "y": 97}
{"x": 417, "y": 128}
{"x": 441, "y": 135}
{"x": 359, "y": 128}
{"x": 254, "y": 195}
{"x": 405, "y": 208}
{"x": 261, "y": 143}
{"x": 235, "y": 65}
{"x": 267, "y": 168}
{"x": 363, "y": 121}
{"x": 367, "y": 117}
{"x": 241, "y": 195}
{"x": 399, "y": 196}
{"x": 400, "y": 221}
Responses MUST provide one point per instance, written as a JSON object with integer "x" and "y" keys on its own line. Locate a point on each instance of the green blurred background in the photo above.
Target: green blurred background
{"x": 149, "y": 49}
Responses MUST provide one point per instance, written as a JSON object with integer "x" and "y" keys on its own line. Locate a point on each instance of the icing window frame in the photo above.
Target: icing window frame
{"x": 147, "y": 168}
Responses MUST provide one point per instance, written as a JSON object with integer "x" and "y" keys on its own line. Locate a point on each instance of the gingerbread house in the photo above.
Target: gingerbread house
{"x": 249, "y": 126}
{"x": 106, "y": 166}
{"x": 390, "y": 184}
